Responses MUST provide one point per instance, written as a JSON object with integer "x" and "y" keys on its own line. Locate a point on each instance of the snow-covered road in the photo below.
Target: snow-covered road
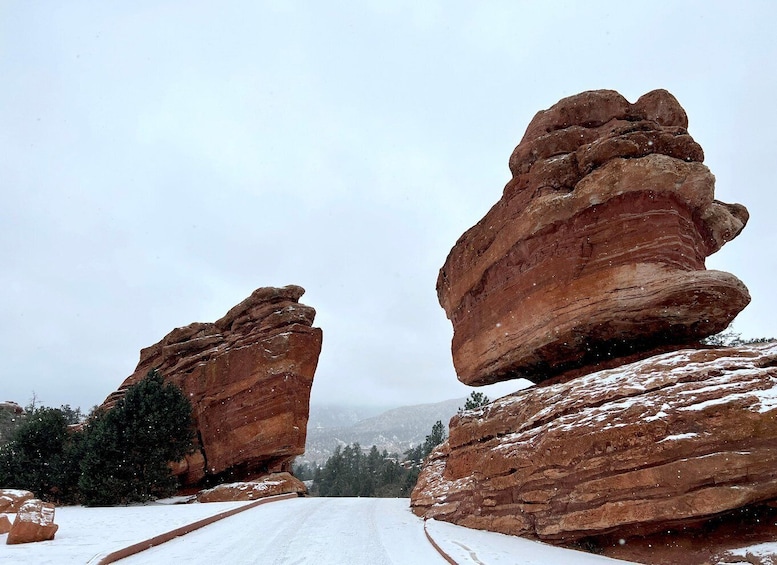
{"x": 321, "y": 531}
{"x": 297, "y": 531}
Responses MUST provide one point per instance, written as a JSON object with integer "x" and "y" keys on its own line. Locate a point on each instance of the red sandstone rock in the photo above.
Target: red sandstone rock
{"x": 596, "y": 250}
{"x": 269, "y": 485}
{"x": 34, "y": 522}
{"x": 248, "y": 376}
{"x": 12, "y": 499}
{"x": 666, "y": 442}
{"x": 5, "y": 524}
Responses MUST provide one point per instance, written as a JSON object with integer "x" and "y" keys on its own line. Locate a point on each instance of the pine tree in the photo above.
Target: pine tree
{"x": 349, "y": 472}
{"x": 435, "y": 438}
{"x": 475, "y": 400}
{"x": 128, "y": 448}
{"x": 41, "y": 456}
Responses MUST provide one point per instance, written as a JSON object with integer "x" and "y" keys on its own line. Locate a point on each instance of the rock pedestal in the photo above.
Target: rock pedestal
{"x": 657, "y": 444}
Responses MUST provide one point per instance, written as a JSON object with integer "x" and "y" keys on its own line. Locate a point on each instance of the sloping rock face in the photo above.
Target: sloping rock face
{"x": 270, "y": 485}
{"x": 596, "y": 249}
{"x": 34, "y": 522}
{"x": 248, "y": 376}
{"x": 663, "y": 443}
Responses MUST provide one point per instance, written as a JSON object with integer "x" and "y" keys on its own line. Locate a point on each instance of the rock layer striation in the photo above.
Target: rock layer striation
{"x": 248, "y": 376}
{"x": 658, "y": 444}
{"x": 596, "y": 249}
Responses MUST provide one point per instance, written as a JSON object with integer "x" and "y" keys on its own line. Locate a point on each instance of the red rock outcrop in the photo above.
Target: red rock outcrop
{"x": 12, "y": 499}
{"x": 270, "y": 485}
{"x": 248, "y": 376}
{"x": 5, "y": 524}
{"x": 663, "y": 443}
{"x": 596, "y": 249}
{"x": 34, "y": 522}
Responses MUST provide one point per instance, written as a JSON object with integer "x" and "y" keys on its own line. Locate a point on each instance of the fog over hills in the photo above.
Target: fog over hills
{"x": 395, "y": 430}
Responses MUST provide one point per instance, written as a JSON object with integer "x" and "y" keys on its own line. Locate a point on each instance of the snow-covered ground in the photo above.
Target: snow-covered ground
{"x": 321, "y": 531}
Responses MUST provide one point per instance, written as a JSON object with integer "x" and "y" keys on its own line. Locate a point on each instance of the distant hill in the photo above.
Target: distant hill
{"x": 395, "y": 430}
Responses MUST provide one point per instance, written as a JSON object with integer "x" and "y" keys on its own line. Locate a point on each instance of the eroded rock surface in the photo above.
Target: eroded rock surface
{"x": 596, "y": 249}
{"x": 269, "y": 485}
{"x": 248, "y": 376}
{"x": 662, "y": 443}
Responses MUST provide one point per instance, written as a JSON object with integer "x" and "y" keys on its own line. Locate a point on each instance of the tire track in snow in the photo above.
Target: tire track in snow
{"x": 472, "y": 554}
{"x": 306, "y": 531}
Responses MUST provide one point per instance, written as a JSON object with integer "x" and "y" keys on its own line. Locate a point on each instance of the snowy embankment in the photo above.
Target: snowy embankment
{"x": 321, "y": 531}
{"x": 86, "y": 533}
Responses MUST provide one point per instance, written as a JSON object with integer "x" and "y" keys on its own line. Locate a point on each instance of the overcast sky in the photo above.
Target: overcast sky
{"x": 161, "y": 160}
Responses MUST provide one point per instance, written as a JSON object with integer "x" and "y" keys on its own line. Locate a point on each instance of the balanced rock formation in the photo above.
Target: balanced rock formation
{"x": 596, "y": 249}
{"x": 654, "y": 445}
{"x": 248, "y": 377}
{"x": 588, "y": 278}
{"x": 34, "y": 522}
{"x": 269, "y": 485}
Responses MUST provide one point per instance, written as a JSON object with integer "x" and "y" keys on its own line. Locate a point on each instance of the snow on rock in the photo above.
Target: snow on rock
{"x": 665, "y": 442}
{"x": 762, "y": 554}
{"x": 34, "y": 522}
{"x": 11, "y": 499}
{"x": 269, "y": 485}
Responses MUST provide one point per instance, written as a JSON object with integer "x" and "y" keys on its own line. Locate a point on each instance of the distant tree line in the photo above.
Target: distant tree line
{"x": 351, "y": 471}
{"x": 116, "y": 456}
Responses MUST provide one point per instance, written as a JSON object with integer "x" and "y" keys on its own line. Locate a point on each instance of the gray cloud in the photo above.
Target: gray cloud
{"x": 160, "y": 161}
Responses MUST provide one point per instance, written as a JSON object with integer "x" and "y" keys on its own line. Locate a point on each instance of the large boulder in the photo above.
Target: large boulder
{"x": 34, "y": 522}
{"x": 248, "y": 376}
{"x": 269, "y": 485}
{"x": 664, "y": 443}
{"x": 596, "y": 249}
